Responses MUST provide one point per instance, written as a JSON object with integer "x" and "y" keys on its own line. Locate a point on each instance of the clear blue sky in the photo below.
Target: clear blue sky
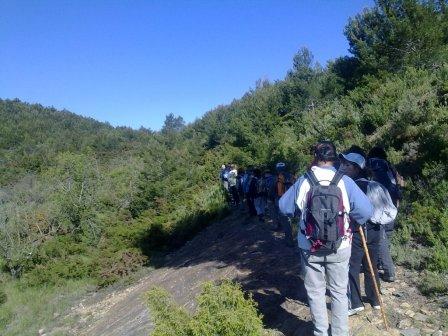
{"x": 133, "y": 62}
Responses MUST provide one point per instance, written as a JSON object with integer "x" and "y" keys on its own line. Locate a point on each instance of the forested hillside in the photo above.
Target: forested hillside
{"x": 83, "y": 201}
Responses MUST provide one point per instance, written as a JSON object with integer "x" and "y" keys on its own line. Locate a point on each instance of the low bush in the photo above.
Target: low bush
{"x": 5, "y": 317}
{"x": 112, "y": 267}
{"x": 434, "y": 284}
{"x": 222, "y": 310}
{"x": 410, "y": 254}
{"x": 3, "y": 297}
{"x": 57, "y": 271}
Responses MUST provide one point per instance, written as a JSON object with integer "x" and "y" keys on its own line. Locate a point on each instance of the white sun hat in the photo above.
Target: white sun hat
{"x": 355, "y": 158}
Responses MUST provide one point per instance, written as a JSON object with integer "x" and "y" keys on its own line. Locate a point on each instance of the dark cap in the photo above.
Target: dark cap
{"x": 325, "y": 151}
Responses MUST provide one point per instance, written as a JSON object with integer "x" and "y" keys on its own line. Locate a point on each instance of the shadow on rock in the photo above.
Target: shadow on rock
{"x": 260, "y": 261}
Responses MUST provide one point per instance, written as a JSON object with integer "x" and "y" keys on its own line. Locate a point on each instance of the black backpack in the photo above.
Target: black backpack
{"x": 324, "y": 216}
{"x": 384, "y": 174}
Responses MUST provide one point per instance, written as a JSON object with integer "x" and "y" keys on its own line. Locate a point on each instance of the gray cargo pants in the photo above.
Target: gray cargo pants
{"x": 385, "y": 259}
{"x": 318, "y": 269}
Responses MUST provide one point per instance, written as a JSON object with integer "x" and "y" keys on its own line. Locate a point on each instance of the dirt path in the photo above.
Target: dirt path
{"x": 250, "y": 253}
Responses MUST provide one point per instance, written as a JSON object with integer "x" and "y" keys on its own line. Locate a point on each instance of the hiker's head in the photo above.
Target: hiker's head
{"x": 356, "y": 149}
{"x": 325, "y": 153}
{"x": 223, "y": 166}
{"x": 353, "y": 162}
{"x": 257, "y": 172}
{"x": 377, "y": 152}
{"x": 280, "y": 166}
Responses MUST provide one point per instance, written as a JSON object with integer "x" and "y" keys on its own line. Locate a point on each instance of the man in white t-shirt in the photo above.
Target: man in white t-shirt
{"x": 322, "y": 267}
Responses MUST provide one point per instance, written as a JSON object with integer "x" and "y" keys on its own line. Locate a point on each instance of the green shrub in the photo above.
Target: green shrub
{"x": 5, "y": 317}
{"x": 169, "y": 319}
{"x": 223, "y": 310}
{"x": 113, "y": 266}
{"x": 58, "y": 247}
{"x": 434, "y": 284}
{"x": 440, "y": 261}
{"x": 410, "y": 254}
{"x": 3, "y": 296}
{"x": 57, "y": 271}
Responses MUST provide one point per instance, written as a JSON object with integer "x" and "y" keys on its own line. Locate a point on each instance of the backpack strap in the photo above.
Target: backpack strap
{"x": 362, "y": 184}
{"x": 311, "y": 178}
{"x": 336, "y": 178}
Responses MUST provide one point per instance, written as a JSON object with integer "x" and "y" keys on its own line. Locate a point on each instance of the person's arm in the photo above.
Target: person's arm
{"x": 279, "y": 184}
{"x": 360, "y": 207}
{"x": 287, "y": 203}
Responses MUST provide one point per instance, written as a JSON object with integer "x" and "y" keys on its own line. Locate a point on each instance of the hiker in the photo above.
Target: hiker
{"x": 353, "y": 164}
{"x": 239, "y": 186}
{"x": 270, "y": 181}
{"x": 223, "y": 177}
{"x": 284, "y": 180}
{"x": 249, "y": 187}
{"x": 232, "y": 178}
{"x": 385, "y": 173}
{"x": 259, "y": 194}
{"x": 324, "y": 237}
{"x": 244, "y": 179}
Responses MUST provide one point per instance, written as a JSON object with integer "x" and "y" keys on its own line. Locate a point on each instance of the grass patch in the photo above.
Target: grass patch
{"x": 28, "y": 309}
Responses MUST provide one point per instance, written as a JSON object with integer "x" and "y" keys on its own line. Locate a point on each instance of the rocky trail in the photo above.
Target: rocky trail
{"x": 249, "y": 252}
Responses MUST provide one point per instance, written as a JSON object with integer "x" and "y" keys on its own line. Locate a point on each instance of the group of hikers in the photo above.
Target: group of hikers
{"x": 259, "y": 192}
{"x": 345, "y": 205}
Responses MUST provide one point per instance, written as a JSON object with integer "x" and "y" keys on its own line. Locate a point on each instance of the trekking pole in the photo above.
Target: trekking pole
{"x": 377, "y": 292}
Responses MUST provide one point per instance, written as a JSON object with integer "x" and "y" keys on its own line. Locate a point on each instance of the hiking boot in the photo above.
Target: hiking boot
{"x": 376, "y": 307}
{"x": 388, "y": 278}
{"x": 355, "y": 311}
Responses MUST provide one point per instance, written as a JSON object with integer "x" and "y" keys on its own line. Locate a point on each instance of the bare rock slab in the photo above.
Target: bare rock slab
{"x": 410, "y": 332}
